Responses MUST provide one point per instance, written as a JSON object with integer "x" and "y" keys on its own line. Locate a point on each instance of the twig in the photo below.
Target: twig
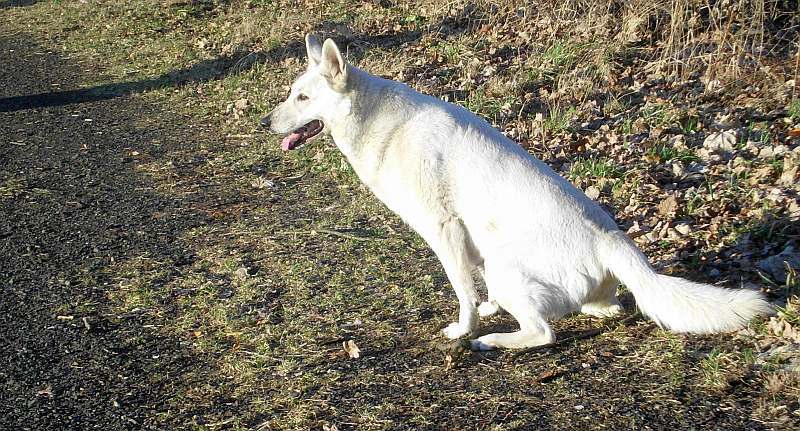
{"x": 220, "y": 423}
{"x": 796, "y": 71}
{"x": 332, "y": 341}
{"x": 333, "y": 233}
{"x": 586, "y": 334}
{"x": 349, "y": 236}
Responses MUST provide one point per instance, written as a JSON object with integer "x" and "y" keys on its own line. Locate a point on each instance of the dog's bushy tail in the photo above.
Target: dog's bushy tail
{"x": 675, "y": 303}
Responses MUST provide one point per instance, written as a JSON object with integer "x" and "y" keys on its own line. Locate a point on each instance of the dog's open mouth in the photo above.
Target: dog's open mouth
{"x": 301, "y": 135}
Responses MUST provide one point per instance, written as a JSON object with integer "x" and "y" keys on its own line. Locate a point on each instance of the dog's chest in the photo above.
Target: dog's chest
{"x": 383, "y": 180}
{"x": 407, "y": 186}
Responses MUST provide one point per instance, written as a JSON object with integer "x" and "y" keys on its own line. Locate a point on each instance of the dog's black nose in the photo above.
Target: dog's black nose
{"x": 265, "y": 122}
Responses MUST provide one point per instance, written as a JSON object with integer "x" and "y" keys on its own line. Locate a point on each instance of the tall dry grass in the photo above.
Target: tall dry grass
{"x": 722, "y": 41}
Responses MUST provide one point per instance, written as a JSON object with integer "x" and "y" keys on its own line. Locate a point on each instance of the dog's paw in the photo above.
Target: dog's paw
{"x": 455, "y": 331}
{"x": 602, "y": 310}
{"x": 488, "y": 308}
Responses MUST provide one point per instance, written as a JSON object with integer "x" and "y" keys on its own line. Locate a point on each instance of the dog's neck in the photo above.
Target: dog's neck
{"x": 369, "y": 96}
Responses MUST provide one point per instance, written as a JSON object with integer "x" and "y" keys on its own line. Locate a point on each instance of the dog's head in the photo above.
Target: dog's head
{"x": 317, "y": 95}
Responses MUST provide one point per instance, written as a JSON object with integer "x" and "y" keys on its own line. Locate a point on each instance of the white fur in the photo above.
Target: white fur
{"x": 482, "y": 202}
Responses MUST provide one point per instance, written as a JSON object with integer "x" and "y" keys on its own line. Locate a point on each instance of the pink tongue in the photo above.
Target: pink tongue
{"x": 291, "y": 141}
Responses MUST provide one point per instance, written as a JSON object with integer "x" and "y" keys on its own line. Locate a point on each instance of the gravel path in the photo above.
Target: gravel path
{"x": 71, "y": 204}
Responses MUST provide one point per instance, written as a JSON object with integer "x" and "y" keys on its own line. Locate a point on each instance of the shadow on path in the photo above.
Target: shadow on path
{"x": 17, "y": 3}
{"x": 355, "y": 43}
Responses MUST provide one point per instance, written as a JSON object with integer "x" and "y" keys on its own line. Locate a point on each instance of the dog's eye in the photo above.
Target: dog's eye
{"x": 301, "y": 97}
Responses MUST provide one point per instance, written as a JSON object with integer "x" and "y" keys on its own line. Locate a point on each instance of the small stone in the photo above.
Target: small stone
{"x": 766, "y": 153}
{"x": 780, "y": 150}
{"x": 720, "y": 142}
{"x": 683, "y": 228}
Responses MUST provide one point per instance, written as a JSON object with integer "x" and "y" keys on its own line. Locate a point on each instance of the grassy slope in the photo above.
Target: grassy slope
{"x": 614, "y": 104}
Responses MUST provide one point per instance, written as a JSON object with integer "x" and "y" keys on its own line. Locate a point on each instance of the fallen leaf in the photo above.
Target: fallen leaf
{"x": 448, "y": 361}
{"x": 668, "y": 205}
{"x": 261, "y": 182}
{"x": 683, "y": 228}
{"x": 46, "y": 392}
{"x": 593, "y": 193}
{"x": 454, "y": 351}
{"x": 759, "y": 174}
{"x": 766, "y": 153}
{"x": 351, "y": 348}
{"x": 241, "y": 273}
{"x": 724, "y": 140}
{"x": 782, "y": 328}
{"x": 717, "y": 144}
{"x": 241, "y": 104}
{"x": 788, "y": 177}
{"x": 794, "y": 210}
{"x": 789, "y": 174}
{"x": 678, "y": 170}
{"x": 635, "y": 230}
{"x": 795, "y": 133}
{"x": 548, "y": 375}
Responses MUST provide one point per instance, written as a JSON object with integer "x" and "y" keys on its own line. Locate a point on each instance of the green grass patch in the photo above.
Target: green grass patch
{"x": 667, "y": 153}
{"x": 794, "y": 109}
{"x": 658, "y": 115}
{"x": 593, "y": 168}
{"x": 482, "y": 103}
{"x": 713, "y": 369}
{"x": 554, "y": 60}
{"x": 560, "y": 119}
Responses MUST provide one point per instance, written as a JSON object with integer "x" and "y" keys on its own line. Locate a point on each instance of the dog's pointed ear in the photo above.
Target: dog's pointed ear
{"x": 333, "y": 67}
{"x": 313, "y": 50}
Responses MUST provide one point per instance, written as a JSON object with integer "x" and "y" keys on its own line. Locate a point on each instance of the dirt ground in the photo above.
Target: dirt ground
{"x": 75, "y": 203}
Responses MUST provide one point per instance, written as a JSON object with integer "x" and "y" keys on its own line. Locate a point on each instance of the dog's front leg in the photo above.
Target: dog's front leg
{"x": 450, "y": 245}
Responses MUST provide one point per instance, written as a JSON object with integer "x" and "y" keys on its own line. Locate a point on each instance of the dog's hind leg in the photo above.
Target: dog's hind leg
{"x": 533, "y": 329}
{"x": 450, "y": 242}
{"x": 603, "y": 301}
{"x": 490, "y": 307}
{"x": 518, "y": 297}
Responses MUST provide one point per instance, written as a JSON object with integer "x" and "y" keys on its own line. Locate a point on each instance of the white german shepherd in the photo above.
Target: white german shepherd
{"x": 483, "y": 203}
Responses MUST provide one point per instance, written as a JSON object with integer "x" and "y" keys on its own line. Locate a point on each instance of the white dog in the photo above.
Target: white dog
{"x": 483, "y": 203}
